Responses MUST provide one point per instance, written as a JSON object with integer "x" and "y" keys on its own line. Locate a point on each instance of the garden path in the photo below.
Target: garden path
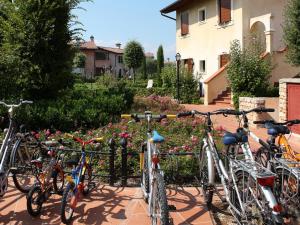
{"x": 107, "y": 206}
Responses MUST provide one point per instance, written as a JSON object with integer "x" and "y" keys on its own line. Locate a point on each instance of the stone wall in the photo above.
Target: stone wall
{"x": 247, "y": 103}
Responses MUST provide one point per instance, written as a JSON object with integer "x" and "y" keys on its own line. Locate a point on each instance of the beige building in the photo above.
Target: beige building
{"x": 100, "y": 60}
{"x": 205, "y": 29}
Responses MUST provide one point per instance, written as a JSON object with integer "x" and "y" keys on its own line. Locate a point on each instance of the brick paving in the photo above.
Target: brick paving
{"x": 107, "y": 206}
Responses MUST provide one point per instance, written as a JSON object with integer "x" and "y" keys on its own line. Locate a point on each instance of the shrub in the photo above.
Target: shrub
{"x": 78, "y": 108}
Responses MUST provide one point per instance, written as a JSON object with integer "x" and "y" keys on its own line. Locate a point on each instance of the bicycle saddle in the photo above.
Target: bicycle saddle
{"x": 276, "y": 129}
{"x": 157, "y": 138}
{"x": 234, "y": 138}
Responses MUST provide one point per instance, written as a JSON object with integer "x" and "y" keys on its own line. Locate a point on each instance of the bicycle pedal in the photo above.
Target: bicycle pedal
{"x": 172, "y": 207}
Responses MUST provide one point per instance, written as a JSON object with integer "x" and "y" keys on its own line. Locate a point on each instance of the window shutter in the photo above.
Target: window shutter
{"x": 224, "y": 60}
{"x": 225, "y": 11}
{"x": 184, "y": 23}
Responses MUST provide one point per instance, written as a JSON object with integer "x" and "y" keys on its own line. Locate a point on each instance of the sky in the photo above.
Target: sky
{"x": 112, "y": 21}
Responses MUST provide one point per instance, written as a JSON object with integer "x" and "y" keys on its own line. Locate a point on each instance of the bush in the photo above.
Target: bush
{"x": 78, "y": 108}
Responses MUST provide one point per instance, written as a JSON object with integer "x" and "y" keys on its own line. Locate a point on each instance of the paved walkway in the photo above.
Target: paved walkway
{"x": 107, "y": 206}
{"x": 230, "y": 123}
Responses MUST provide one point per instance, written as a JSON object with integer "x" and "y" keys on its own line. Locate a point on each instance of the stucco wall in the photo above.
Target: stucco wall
{"x": 282, "y": 69}
{"x": 206, "y": 41}
{"x": 89, "y": 62}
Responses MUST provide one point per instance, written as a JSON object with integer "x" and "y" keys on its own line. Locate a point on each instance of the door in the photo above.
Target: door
{"x": 189, "y": 64}
{"x": 294, "y": 105}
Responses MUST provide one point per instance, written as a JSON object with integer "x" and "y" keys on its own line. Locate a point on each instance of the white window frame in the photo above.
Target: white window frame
{"x": 205, "y": 17}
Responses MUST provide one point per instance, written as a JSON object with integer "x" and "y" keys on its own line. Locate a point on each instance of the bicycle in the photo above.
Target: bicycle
{"x": 247, "y": 185}
{"x": 285, "y": 162}
{"x": 80, "y": 180}
{"x": 49, "y": 180}
{"x": 153, "y": 185}
{"x": 6, "y": 152}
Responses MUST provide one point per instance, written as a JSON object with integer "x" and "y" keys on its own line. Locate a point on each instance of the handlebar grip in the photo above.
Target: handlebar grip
{"x": 99, "y": 140}
{"x": 171, "y": 116}
{"x": 27, "y": 102}
{"x": 184, "y": 114}
{"x": 67, "y": 135}
{"x": 126, "y": 116}
{"x": 263, "y": 110}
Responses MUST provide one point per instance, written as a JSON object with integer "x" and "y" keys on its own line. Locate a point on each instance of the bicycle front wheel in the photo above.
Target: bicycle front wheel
{"x": 145, "y": 177}
{"x": 204, "y": 174}
{"x": 159, "y": 205}
{"x": 20, "y": 160}
{"x": 69, "y": 201}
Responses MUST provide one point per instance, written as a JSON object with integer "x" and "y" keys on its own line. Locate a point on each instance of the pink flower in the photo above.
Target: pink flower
{"x": 109, "y": 125}
{"x": 58, "y": 132}
{"x": 124, "y": 135}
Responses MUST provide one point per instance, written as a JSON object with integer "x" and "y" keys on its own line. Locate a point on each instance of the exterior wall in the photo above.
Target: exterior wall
{"x": 208, "y": 40}
{"x": 247, "y": 103}
{"x": 215, "y": 86}
{"x": 282, "y": 69}
{"x": 269, "y": 12}
{"x": 89, "y": 63}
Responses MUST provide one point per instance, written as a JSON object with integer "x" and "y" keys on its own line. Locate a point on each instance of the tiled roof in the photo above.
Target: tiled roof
{"x": 114, "y": 50}
{"x": 149, "y": 55}
{"x": 174, "y": 6}
{"x": 89, "y": 45}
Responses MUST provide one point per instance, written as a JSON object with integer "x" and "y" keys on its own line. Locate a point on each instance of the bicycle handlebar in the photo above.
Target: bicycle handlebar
{"x": 288, "y": 123}
{"x": 145, "y": 116}
{"x": 14, "y": 105}
{"x": 195, "y": 112}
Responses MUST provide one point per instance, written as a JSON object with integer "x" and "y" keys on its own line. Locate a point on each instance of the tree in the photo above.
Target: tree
{"x": 133, "y": 56}
{"x": 291, "y": 30}
{"x": 160, "y": 59}
{"x": 144, "y": 68}
{"x": 248, "y": 73}
{"x": 39, "y": 33}
{"x": 79, "y": 60}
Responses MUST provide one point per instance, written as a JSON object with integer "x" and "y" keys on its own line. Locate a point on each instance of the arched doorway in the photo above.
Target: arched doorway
{"x": 257, "y": 32}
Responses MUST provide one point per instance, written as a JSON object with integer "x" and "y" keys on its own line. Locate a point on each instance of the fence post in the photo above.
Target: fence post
{"x": 124, "y": 161}
{"x": 112, "y": 151}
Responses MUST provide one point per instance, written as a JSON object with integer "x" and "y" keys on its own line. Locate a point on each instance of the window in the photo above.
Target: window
{"x": 184, "y": 23}
{"x": 101, "y": 56}
{"x": 202, "y": 15}
{"x": 120, "y": 59}
{"x": 224, "y": 11}
{"x": 224, "y": 58}
{"x": 202, "y": 66}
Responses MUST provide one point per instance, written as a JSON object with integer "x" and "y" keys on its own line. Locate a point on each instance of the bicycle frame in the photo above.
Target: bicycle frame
{"x": 289, "y": 153}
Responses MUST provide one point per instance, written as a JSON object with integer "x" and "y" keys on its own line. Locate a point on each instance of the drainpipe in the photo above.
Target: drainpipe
{"x": 169, "y": 17}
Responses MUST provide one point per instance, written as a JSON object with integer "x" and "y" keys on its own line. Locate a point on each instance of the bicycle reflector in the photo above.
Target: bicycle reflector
{"x": 155, "y": 159}
{"x": 277, "y": 208}
{"x": 266, "y": 181}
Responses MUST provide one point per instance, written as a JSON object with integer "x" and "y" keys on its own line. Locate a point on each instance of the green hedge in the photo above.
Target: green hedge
{"x": 80, "y": 107}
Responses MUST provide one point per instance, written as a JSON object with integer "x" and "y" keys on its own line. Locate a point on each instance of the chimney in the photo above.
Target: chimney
{"x": 118, "y": 45}
{"x": 92, "y": 38}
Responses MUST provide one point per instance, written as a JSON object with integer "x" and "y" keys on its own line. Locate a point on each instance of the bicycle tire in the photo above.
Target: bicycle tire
{"x": 203, "y": 176}
{"x": 64, "y": 203}
{"x": 262, "y": 156}
{"x": 289, "y": 195}
{"x": 30, "y": 200}
{"x": 246, "y": 191}
{"x": 86, "y": 179}
{"x": 58, "y": 188}
{"x": 25, "y": 171}
{"x": 160, "y": 199}
{"x": 145, "y": 177}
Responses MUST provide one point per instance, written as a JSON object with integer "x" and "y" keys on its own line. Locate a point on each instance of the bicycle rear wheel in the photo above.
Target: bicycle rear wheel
{"x": 253, "y": 201}
{"x": 288, "y": 191}
{"x": 159, "y": 204}
{"x": 262, "y": 156}
{"x": 23, "y": 174}
{"x": 35, "y": 200}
